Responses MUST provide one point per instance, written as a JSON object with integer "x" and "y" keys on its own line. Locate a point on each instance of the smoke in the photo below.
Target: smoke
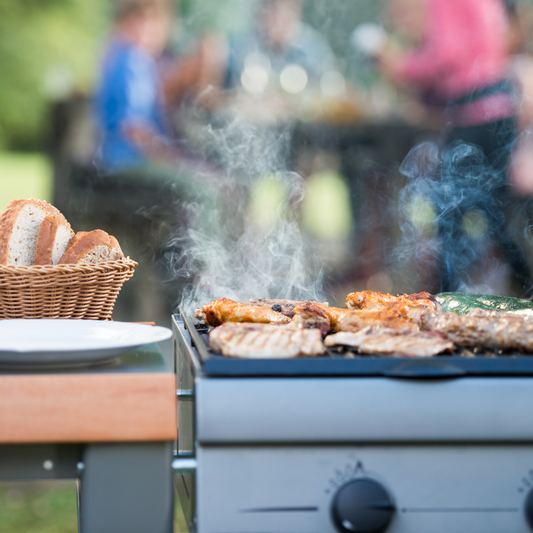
{"x": 225, "y": 249}
{"x": 453, "y": 210}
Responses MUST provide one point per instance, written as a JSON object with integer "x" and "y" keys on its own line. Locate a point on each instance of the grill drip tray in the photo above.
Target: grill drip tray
{"x": 465, "y": 362}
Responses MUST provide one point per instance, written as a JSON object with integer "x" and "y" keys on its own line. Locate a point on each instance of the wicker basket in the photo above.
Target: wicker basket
{"x": 62, "y": 291}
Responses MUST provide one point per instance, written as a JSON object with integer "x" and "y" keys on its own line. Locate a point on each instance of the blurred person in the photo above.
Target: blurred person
{"x": 279, "y": 39}
{"x": 457, "y": 61}
{"x": 521, "y": 71}
{"x": 129, "y": 102}
{"x": 135, "y": 88}
{"x": 152, "y": 176}
{"x": 133, "y": 103}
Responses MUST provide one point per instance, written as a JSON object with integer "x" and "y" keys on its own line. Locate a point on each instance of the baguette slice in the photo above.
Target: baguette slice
{"x": 54, "y": 238}
{"x": 19, "y": 230}
{"x": 91, "y": 247}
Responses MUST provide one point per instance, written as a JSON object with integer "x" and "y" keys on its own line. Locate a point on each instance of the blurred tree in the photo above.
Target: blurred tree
{"x": 48, "y": 49}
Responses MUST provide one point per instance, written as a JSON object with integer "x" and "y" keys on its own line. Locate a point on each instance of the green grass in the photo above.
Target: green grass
{"x": 47, "y": 507}
{"x": 24, "y": 175}
{"x": 38, "y": 507}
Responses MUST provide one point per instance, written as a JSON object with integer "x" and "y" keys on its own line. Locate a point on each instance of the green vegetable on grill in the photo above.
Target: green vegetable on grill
{"x": 461, "y": 303}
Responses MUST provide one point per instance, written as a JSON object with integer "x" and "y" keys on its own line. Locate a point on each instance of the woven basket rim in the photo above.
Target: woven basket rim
{"x": 104, "y": 266}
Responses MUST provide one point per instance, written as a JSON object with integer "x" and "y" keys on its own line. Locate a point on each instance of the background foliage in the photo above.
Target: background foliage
{"x": 49, "y": 49}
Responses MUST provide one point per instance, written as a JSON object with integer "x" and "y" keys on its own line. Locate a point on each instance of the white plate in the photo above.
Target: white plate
{"x": 71, "y": 342}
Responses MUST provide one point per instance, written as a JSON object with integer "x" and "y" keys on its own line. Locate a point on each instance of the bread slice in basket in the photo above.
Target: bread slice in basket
{"x": 92, "y": 247}
{"x": 20, "y": 225}
{"x": 54, "y": 238}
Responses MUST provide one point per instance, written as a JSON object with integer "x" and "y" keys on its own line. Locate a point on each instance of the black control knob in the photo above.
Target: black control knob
{"x": 362, "y": 505}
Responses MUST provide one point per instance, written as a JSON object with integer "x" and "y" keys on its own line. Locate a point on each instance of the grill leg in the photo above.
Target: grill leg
{"x": 127, "y": 488}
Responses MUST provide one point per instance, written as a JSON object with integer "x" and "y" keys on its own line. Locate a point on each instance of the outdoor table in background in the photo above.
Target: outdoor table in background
{"x": 110, "y": 427}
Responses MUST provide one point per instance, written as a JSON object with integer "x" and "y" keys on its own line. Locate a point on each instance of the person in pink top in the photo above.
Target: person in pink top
{"x": 462, "y": 54}
{"x": 457, "y": 62}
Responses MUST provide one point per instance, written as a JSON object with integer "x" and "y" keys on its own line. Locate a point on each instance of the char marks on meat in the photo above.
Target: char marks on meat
{"x": 376, "y": 341}
{"x": 265, "y": 341}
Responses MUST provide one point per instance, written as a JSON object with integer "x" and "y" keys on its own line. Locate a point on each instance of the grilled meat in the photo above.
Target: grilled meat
{"x": 486, "y": 329}
{"x": 312, "y": 322}
{"x": 285, "y": 307}
{"x": 257, "y": 341}
{"x": 375, "y": 342}
{"x": 416, "y": 306}
{"x": 224, "y": 310}
{"x": 312, "y": 311}
{"x": 257, "y": 311}
{"x": 392, "y": 316}
{"x": 369, "y": 299}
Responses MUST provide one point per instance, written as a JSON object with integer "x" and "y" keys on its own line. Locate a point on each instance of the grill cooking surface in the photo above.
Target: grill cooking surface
{"x": 466, "y": 362}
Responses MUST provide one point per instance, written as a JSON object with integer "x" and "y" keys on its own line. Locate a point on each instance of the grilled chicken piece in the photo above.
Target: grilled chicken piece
{"x": 486, "y": 329}
{"x": 224, "y": 310}
{"x": 256, "y": 341}
{"x": 392, "y": 317}
{"x": 314, "y": 313}
{"x": 308, "y": 310}
{"x": 285, "y": 307}
{"x": 372, "y": 342}
{"x": 369, "y": 299}
{"x": 417, "y": 306}
{"x": 312, "y": 322}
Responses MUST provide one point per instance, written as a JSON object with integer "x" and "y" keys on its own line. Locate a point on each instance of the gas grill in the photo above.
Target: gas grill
{"x": 340, "y": 444}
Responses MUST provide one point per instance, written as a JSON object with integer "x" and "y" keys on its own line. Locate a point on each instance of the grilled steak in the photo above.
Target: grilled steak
{"x": 380, "y": 342}
{"x": 486, "y": 329}
{"x": 256, "y": 341}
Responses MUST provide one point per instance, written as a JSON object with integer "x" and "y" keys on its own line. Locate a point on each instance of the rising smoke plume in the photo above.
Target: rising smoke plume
{"x": 222, "y": 251}
{"x": 454, "y": 208}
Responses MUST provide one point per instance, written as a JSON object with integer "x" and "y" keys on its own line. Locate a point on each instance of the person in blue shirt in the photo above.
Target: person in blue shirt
{"x": 129, "y": 103}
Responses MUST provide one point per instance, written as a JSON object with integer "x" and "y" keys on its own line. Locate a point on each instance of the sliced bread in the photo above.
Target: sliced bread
{"x": 19, "y": 230}
{"x": 91, "y": 247}
{"x": 54, "y": 238}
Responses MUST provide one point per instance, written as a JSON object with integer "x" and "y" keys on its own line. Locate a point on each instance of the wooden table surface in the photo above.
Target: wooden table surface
{"x": 132, "y": 399}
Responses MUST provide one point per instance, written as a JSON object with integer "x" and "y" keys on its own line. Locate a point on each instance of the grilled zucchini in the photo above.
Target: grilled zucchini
{"x": 461, "y": 303}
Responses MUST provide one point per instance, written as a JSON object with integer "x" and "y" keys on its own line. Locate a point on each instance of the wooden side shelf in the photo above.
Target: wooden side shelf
{"x": 91, "y": 407}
